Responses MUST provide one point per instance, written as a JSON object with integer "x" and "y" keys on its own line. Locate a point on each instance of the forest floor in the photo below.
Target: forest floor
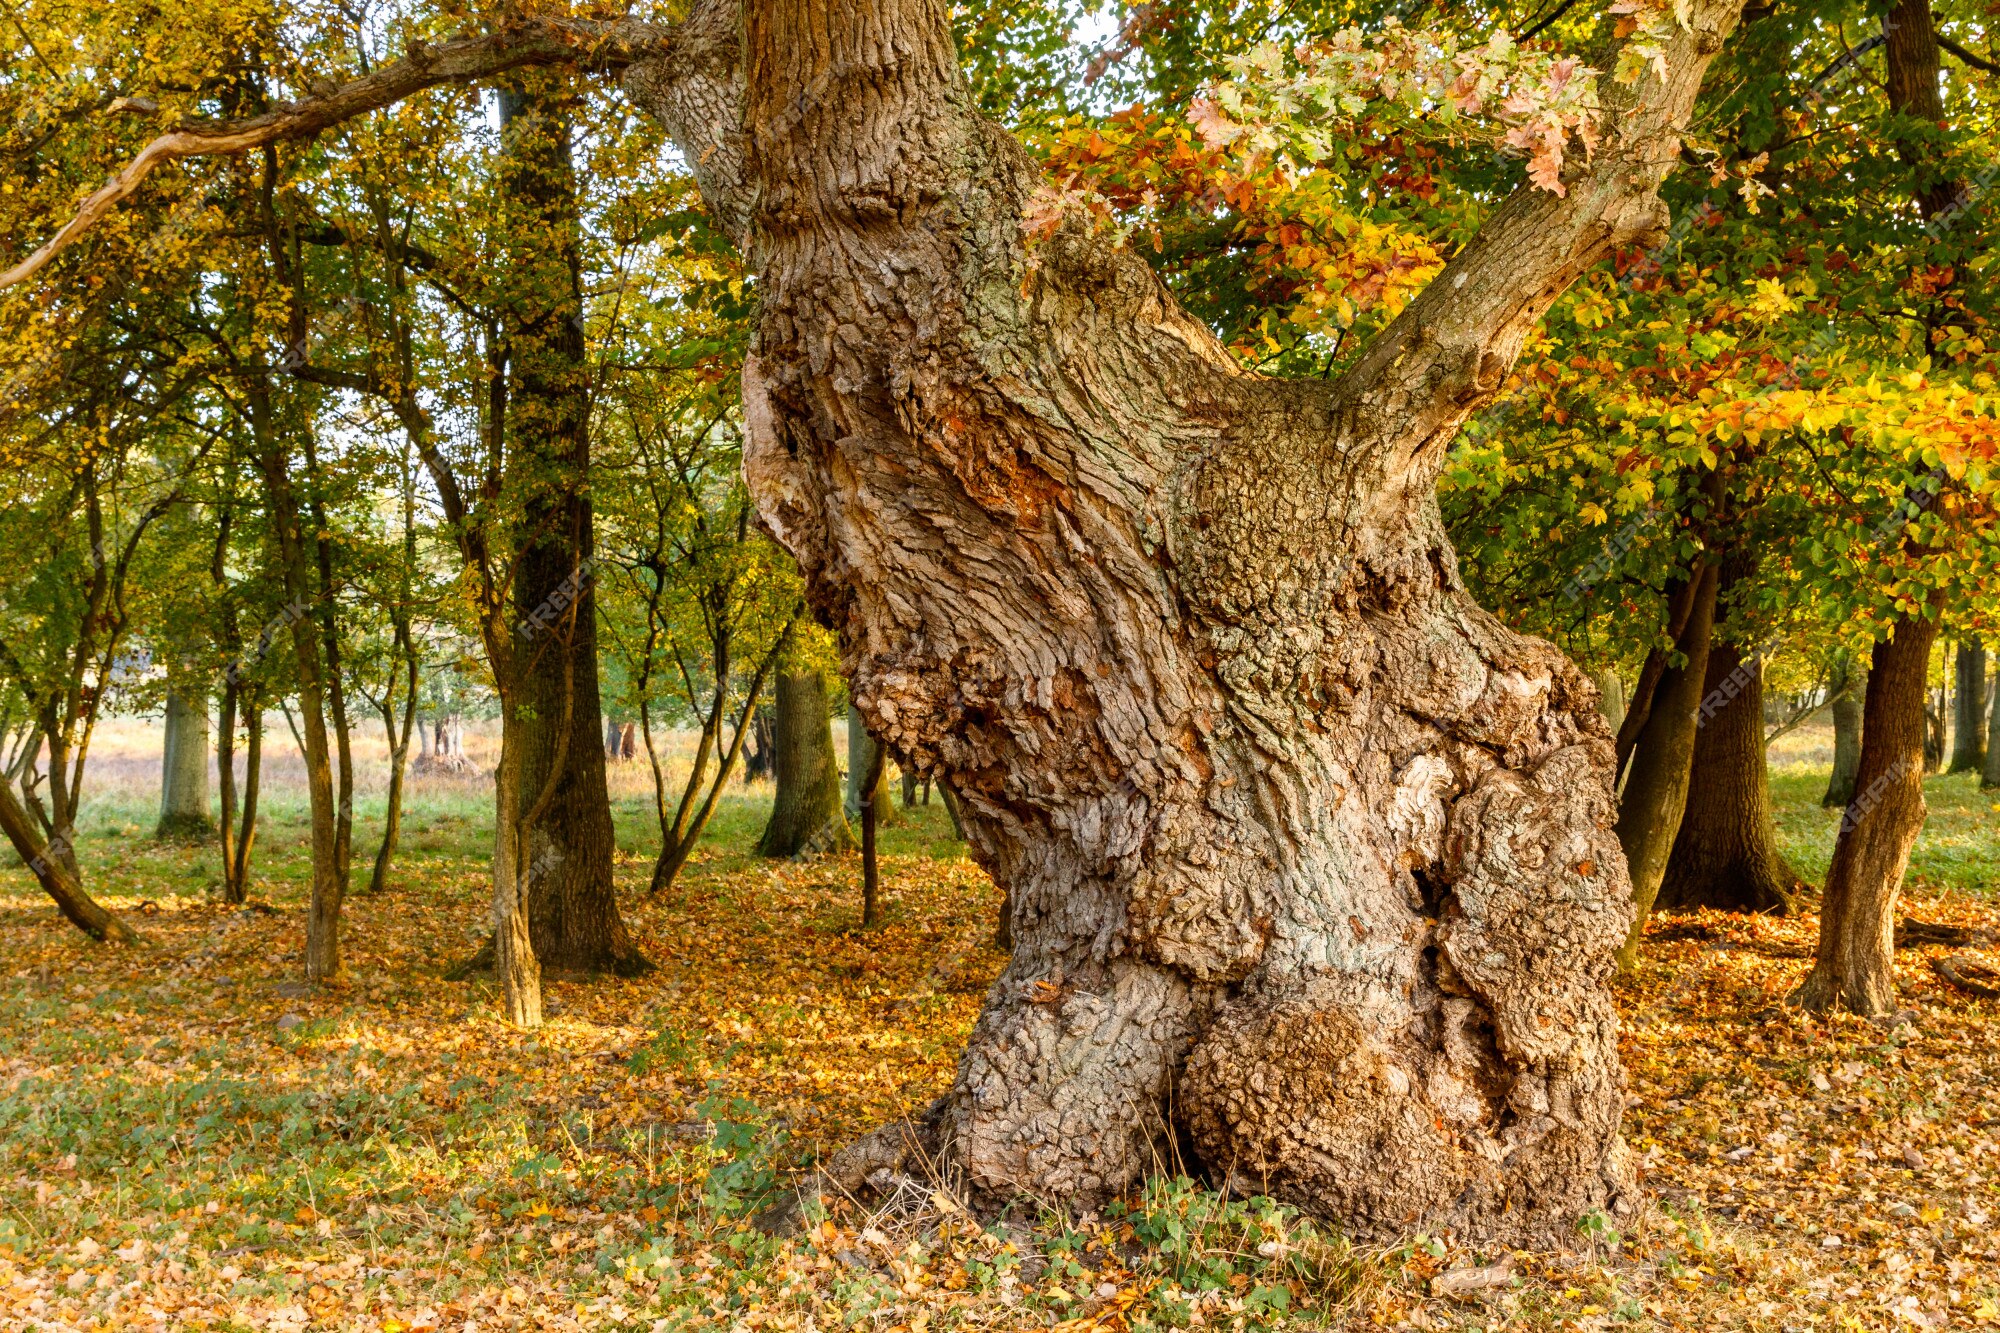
{"x": 189, "y": 1138}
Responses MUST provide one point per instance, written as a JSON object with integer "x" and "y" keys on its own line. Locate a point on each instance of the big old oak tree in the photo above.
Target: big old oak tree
{"x": 1306, "y": 853}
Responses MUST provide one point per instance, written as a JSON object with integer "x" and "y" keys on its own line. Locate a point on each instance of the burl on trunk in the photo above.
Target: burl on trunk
{"x": 1310, "y": 858}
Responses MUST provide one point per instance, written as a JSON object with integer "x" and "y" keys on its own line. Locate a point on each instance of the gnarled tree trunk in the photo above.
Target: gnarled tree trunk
{"x": 1725, "y": 855}
{"x": 1292, "y": 829}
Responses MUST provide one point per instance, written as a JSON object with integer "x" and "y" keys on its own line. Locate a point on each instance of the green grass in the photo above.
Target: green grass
{"x": 1957, "y": 853}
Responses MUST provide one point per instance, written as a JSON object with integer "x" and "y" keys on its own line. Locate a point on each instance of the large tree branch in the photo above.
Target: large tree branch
{"x": 1450, "y": 350}
{"x": 584, "y": 43}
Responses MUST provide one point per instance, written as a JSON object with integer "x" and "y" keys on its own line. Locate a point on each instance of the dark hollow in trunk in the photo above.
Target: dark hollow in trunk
{"x": 1725, "y": 855}
{"x": 1649, "y": 813}
{"x": 1968, "y": 740}
{"x": 1850, "y": 687}
{"x": 806, "y": 815}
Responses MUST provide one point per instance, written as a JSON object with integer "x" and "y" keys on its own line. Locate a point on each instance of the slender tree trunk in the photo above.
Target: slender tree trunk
{"x": 1853, "y": 966}
{"x": 1639, "y": 704}
{"x": 238, "y": 828}
{"x": 1725, "y": 855}
{"x": 1850, "y": 687}
{"x": 296, "y": 564}
{"x": 1968, "y": 742}
{"x": 184, "y": 768}
{"x": 573, "y": 910}
{"x": 951, "y": 809}
{"x": 1934, "y": 707}
{"x": 225, "y": 781}
{"x": 253, "y": 784}
{"x": 1649, "y": 816}
{"x": 806, "y": 813}
{"x": 515, "y": 965}
{"x": 1312, "y": 860}
{"x": 52, "y": 873}
{"x": 679, "y": 836}
{"x": 399, "y": 756}
{"x": 873, "y": 793}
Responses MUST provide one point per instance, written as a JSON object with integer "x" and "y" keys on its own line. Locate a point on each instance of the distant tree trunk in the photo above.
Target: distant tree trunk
{"x": 52, "y": 873}
{"x": 1649, "y": 815}
{"x": 874, "y": 793}
{"x": 1725, "y": 855}
{"x": 1934, "y": 709}
{"x": 1610, "y": 695}
{"x": 1850, "y": 687}
{"x": 864, "y": 756}
{"x": 1853, "y": 964}
{"x": 184, "y": 768}
{"x": 757, "y": 756}
{"x": 236, "y": 850}
{"x": 951, "y": 809}
{"x": 1990, "y": 775}
{"x": 399, "y": 762}
{"x": 1968, "y": 743}
{"x": 806, "y": 812}
{"x": 573, "y": 911}
{"x": 404, "y": 652}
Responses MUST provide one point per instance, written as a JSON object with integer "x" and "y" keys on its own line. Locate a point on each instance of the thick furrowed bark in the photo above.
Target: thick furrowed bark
{"x": 1299, "y": 842}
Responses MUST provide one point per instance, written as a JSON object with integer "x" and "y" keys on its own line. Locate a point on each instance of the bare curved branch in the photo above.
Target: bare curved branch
{"x": 583, "y": 43}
